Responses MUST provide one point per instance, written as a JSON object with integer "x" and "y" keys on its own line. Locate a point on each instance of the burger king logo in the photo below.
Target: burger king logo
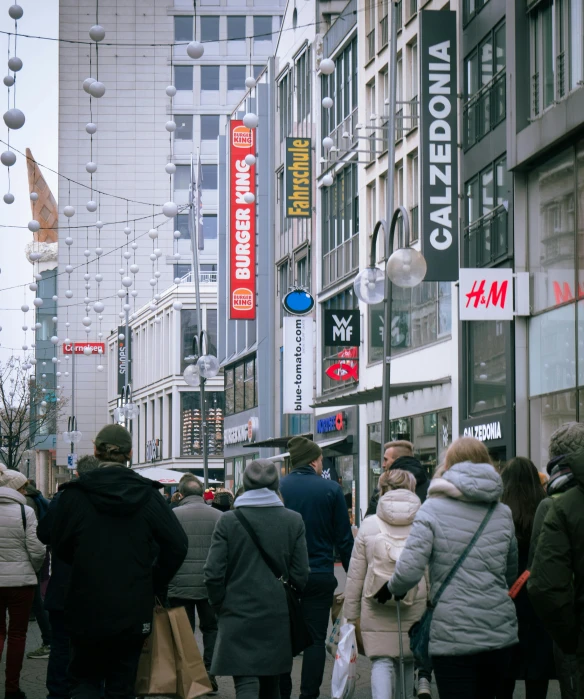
{"x": 242, "y": 137}
{"x": 242, "y": 300}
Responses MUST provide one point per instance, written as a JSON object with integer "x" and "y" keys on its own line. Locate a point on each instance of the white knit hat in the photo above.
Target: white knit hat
{"x": 11, "y": 479}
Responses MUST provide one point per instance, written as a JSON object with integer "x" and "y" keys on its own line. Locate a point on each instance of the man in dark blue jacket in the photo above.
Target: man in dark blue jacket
{"x": 324, "y": 511}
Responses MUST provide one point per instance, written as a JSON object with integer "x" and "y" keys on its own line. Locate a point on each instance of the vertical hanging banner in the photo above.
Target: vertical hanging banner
{"x": 298, "y": 369}
{"x": 242, "y": 224}
{"x": 439, "y": 144}
{"x": 298, "y": 177}
{"x": 124, "y": 348}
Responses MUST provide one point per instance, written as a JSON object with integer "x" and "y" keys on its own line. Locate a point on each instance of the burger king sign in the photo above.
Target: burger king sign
{"x": 242, "y": 222}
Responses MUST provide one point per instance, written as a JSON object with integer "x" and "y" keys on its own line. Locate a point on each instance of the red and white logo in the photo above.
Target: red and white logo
{"x": 486, "y": 294}
{"x": 96, "y": 347}
{"x": 242, "y": 137}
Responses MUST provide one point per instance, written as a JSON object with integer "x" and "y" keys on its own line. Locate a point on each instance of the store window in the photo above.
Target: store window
{"x": 547, "y": 414}
{"x": 552, "y": 351}
{"x": 191, "y": 434}
{"x": 374, "y": 456}
{"x": 342, "y": 86}
{"x": 189, "y": 328}
{"x": 241, "y": 386}
{"x": 183, "y": 77}
{"x": 487, "y": 366}
{"x": 342, "y": 363}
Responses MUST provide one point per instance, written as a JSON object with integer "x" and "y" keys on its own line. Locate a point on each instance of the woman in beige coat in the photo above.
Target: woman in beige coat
{"x": 378, "y": 545}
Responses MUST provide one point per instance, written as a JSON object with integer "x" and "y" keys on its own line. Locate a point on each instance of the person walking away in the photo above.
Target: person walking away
{"x": 566, "y": 441}
{"x": 377, "y": 547}
{"x": 223, "y": 500}
{"x": 187, "y": 588}
{"x": 322, "y": 506}
{"x": 253, "y": 644}
{"x": 124, "y": 546}
{"x": 556, "y": 583}
{"x": 533, "y": 659}
{"x": 21, "y": 556}
{"x": 474, "y": 623}
{"x": 58, "y": 685}
{"x": 391, "y": 452}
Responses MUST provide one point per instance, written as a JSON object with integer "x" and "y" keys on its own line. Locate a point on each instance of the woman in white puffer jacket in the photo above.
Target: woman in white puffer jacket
{"x": 21, "y": 556}
{"x": 378, "y": 545}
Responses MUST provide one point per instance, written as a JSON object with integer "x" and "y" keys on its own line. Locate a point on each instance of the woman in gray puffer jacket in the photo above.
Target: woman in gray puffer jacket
{"x": 474, "y": 623}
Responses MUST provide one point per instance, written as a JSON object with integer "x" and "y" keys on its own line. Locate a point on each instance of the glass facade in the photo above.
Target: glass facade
{"x": 191, "y": 433}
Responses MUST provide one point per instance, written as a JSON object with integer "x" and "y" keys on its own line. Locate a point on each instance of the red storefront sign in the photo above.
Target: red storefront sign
{"x": 96, "y": 347}
{"x": 242, "y": 224}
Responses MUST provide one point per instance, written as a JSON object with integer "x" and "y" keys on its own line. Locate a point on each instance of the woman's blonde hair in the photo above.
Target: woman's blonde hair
{"x": 397, "y": 480}
{"x": 467, "y": 449}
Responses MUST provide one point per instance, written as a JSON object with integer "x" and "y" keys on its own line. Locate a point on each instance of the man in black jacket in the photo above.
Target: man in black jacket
{"x": 124, "y": 546}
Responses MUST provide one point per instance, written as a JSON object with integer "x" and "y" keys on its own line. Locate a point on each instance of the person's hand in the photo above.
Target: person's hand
{"x": 383, "y": 595}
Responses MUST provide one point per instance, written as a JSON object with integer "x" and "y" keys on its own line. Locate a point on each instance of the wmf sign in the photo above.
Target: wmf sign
{"x": 342, "y": 328}
{"x": 438, "y": 144}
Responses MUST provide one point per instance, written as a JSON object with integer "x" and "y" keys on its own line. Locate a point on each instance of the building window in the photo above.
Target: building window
{"x": 183, "y": 77}
{"x": 210, "y": 28}
{"x": 183, "y": 29}
{"x": 303, "y": 73}
{"x": 47, "y": 285}
{"x": 191, "y": 437}
{"x": 181, "y": 223}
{"x": 471, "y": 8}
{"x": 181, "y": 271}
{"x": 209, "y": 127}
{"x": 241, "y": 386}
{"x": 257, "y": 71}
{"x": 340, "y": 226}
{"x": 413, "y": 79}
{"x": 485, "y": 90}
{"x": 413, "y": 166}
{"x": 236, "y": 28}
{"x": 184, "y": 127}
{"x": 209, "y": 176}
{"x": 210, "y": 227}
{"x": 182, "y": 177}
{"x": 302, "y": 273}
{"x": 210, "y": 78}
{"x": 284, "y": 283}
{"x": 236, "y": 77}
{"x": 342, "y": 362}
{"x": 285, "y": 88}
{"x": 262, "y": 29}
{"x": 487, "y": 200}
{"x": 342, "y": 86}
{"x": 488, "y": 366}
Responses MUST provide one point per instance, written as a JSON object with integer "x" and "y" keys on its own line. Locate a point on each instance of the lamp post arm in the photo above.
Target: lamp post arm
{"x": 380, "y": 224}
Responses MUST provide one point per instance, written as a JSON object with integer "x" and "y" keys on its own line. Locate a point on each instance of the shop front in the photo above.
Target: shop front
{"x": 337, "y": 434}
{"x": 495, "y": 431}
{"x": 240, "y": 434}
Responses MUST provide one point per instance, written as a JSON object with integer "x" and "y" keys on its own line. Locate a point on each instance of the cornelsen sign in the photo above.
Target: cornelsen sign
{"x": 96, "y": 347}
{"x": 298, "y": 354}
{"x": 298, "y": 178}
{"x": 438, "y": 144}
{"x": 486, "y": 294}
{"x": 242, "y": 224}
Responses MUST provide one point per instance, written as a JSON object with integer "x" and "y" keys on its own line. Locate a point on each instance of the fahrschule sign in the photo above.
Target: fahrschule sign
{"x": 298, "y": 178}
{"x": 438, "y": 144}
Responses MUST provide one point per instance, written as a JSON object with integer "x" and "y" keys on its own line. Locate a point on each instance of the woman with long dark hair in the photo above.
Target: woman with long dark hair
{"x": 533, "y": 658}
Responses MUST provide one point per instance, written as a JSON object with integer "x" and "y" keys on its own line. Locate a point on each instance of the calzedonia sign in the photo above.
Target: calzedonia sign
{"x": 438, "y": 144}
{"x": 242, "y": 223}
{"x": 486, "y": 431}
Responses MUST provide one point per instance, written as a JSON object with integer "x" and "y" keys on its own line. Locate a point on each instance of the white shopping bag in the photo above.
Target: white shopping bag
{"x": 335, "y": 634}
{"x": 345, "y": 667}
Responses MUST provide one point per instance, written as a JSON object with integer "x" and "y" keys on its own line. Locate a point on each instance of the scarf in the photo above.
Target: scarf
{"x": 262, "y": 497}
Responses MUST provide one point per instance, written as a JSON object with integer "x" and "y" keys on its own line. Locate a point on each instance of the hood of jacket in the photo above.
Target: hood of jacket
{"x": 9, "y": 495}
{"x": 398, "y": 507}
{"x": 574, "y": 462}
{"x": 115, "y": 489}
{"x": 469, "y": 482}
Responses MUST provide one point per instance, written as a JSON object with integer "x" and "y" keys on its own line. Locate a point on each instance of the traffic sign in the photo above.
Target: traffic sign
{"x": 71, "y": 461}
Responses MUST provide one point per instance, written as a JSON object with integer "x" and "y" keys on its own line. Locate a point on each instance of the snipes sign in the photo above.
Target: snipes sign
{"x": 242, "y": 224}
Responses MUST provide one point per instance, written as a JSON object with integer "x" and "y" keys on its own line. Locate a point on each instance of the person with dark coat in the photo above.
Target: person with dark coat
{"x": 124, "y": 545}
{"x": 253, "y": 645}
{"x": 400, "y": 455}
{"x": 322, "y": 505}
{"x": 532, "y": 659}
{"x": 187, "y": 588}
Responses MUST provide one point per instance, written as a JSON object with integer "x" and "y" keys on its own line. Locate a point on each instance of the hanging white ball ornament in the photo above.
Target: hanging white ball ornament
{"x": 100, "y": 367}
{"x": 157, "y": 274}
{"x": 157, "y": 252}
{"x": 54, "y": 319}
{"x": 69, "y": 294}
{"x": 8, "y": 198}
{"x": 87, "y": 351}
{"x": 250, "y": 82}
{"x": 99, "y": 225}
{"x": 33, "y": 226}
{"x": 86, "y": 321}
{"x": 87, "y": 253}
{"x": 249, "y": 198}
{"x": 8, "y": 158}
{"x": 327, "y": 102}
{"x": 69, "y": 269}
{"x": 177, "y": 305}
{"x": 170, "y": 126}
{"x": 38, "y": 277}
{"x": 86, "y": 83}
{"x": 8, "y": 80}
{"x": 38, "y": 302}
{"x": 14, "y": 119}
{"x": 15, "y": 63}
{"x": 153, "y": 233}
{"x": 68, "y": 241}
{"x": 195, "y": 49}
{"x": 134, "y": 292}
{"x": 33, "y": 287}
{"x": 153, "y": 306}
{"x": 15, "y": 11}
{"x": 127, "y": 281}
{"x": 54, "y": 339}
{"x": 126, "y": 254}
{"x": 91, "y": 128}
{"x": 134, "y": 246}
{"x": 176, "y": 235}
{"x": 121, "y": 293}
{"x": 34, "y": 256}
{"x": 91, "y": 206}
{"x": 153, "y": 257}
{"x": 127, "y": 307}
{"x": 250, "y": 159}
{"x": 99, "y": 252}
{"x": 152, "y": 282}
{"x": 97, "y": 33}
{"x": 91, "y": 167}
{"x": 121, "y": 271}
{"x": 327, "y": 143}
{"x": 98, "y": 306}
{"x": 250, "y": 120}
{"x": 87, "y": 301}
{"x": 327, "y": 66}
{"x": 171, "y": 91}
{"x": 127, "y": 230}
{"x": 157, "y": 297}
{"x": 99, "y": 278}
{"x": 97, "y": 89}
{"x": 170, "y": 168}
{"x": 170, "y": 209}
{"x": 86, "y": 277}
{"x": 34, "y": 196}
{"x": 69, "y": 211}
{"x": 327, "y": 180}
{"x": 134, "y": 269}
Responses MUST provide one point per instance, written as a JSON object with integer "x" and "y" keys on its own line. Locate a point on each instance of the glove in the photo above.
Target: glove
{"x": 383, "y": 595}
{"x": 398, "y": 598}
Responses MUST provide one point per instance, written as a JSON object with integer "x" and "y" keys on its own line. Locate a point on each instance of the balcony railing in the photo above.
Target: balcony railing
{"x": 341, "y": 261}
{"x": 204, "y": 278}
{"x": 535, "y": 93}
{"x": 485, "y": 110}
{"x": 345, "y": 137}
{"x": 487, "y": 239}
{"x": 384, "y": 31}
{"x": 371, "y": 45}
{"x": 561, "y": 75}
{"x": 406, "y": 117}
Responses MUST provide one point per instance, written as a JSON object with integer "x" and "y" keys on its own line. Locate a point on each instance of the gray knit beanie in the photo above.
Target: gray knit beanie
{"x": 567, "y": 439}
{"x": 261, "y": 473}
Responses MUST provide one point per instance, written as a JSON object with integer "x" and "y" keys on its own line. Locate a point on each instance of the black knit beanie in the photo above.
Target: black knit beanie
{"x": 303, "y": 451}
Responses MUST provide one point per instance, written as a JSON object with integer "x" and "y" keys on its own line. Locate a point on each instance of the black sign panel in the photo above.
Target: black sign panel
{"x": 298, "y": 178}
{"x": 400, "y": 328}
{"x": 342, "y": 328}
{"x": 124, "y": 349}
{"x": 438, "y": 144}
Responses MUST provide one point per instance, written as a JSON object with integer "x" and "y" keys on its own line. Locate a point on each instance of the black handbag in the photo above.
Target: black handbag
{"x": 300, "y": 637}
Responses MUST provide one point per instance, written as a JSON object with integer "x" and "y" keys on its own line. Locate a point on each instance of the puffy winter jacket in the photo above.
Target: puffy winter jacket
{"x": 198, "y": 520}
{"x": 21, "y": 553}
{"x": 397, "y": 509}
{"x": 475, "y": 612}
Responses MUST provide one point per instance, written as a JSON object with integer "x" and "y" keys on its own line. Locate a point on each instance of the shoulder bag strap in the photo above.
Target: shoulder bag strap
{"x": 253, "y": 536}
{"x": 464, "y": 554}
{"x": 23, "y": 516}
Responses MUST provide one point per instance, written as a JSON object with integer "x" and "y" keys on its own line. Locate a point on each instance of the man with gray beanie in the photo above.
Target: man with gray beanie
{"x": 322, "y": 505}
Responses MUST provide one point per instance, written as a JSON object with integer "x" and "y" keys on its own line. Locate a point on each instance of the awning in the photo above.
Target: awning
{"x": 276, "y": 442}
{"x": 370, "y": 395}
{"x": 336, "y": 441}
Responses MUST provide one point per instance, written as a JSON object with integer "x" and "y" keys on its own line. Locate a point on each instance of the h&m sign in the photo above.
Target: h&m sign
{"x": 342, "y": 328}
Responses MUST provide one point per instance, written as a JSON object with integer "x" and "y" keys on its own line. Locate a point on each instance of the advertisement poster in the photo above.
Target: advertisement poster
{"x": 298, "y": 357}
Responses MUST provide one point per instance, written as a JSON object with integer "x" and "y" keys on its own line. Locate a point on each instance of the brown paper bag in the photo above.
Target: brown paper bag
{"x": 157, "y": 666}
{"x": 191, "y": 676}
{"x": 336, "y": 610}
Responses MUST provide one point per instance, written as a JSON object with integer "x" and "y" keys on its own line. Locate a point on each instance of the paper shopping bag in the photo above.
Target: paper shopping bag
{"x": 157, "y": 666}
{"x": 337, "y": 616}
{"x": 191, "y": 676}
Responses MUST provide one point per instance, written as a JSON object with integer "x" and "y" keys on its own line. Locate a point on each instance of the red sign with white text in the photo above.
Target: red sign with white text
{"x": 242, "y": 224}
{"x": 96, "y": 347}
{"x": 486, "y": 294}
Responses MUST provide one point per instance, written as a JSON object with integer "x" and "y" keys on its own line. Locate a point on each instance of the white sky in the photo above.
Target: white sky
{"x": 37, "y": 96}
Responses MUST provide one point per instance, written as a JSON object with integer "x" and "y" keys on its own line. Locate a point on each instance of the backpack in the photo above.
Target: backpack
{"x": 387, "y": 549}
{"x": 42, "y": 504}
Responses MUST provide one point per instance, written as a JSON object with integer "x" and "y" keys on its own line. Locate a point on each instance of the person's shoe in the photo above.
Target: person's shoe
{"x": 424, "y": 689}
{"x": 214, "y": 684}
{"x": 39, "y": 653}
{"x": 19, "y": 694}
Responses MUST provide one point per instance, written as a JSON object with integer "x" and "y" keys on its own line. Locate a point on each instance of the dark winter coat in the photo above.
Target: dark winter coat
{"x": 417, "y": 469}
{"x": 198, "y": 520}
{"x": 60, "y": 571}
{"x": 322, "y": 505}
{"x": 254, "y": 632}
{"x": 556, "y": 584}
{"x": 124, "y": 545}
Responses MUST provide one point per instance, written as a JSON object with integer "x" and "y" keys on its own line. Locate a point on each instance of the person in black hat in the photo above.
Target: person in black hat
{"x": 124, "y": 545}
{"x": 322, "y": 505}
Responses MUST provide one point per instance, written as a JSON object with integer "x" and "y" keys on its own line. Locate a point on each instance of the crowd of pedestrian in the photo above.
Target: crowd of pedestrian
{"x": 485, "y": 560}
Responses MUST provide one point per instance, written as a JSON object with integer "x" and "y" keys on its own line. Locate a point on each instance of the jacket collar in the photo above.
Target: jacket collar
{"x": 11, "y": 495}
{"x": 305, "y": 470}
{"x": 192, "y": 500}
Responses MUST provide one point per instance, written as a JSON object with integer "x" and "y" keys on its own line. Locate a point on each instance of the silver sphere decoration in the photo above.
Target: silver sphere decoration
{"x": 24, "y": 308}
{"x": 8, "y": 198}
{"x": 8, "y": 80}
{"x": 54, "y": 339}
{"x": 170, "y": 209}
{"x": 127, "y": 281}
{"x": 87, "y": 351}
{"x": 69, "y": 241}
{"x": 327, "y": 102}
{"x": 38, "y": 302}
{"x": 195, "y": 49}
{"x": 250, "y": 82}
{"x": 327, "y": 143}
{"x": 33, "y": 287}
{"x": 121, "y": 293}
{"x": 176, "y": 235}
{"x": 33, "y": 226}
{"x": 153, "y": 233}
{"x": 15, "y": 11}
{"x": 249, "y": 198}
{"x": 86, "y": 83}
{"x": 91, "y": 167}
{"x": 170, "y": 168}
{"x": 153, "y": 306}
{"x": 157, "y": 274}
{"x": 15, "y": 63}
{"x": 97, "y": 89}
{"x": 8, "y": 158}
{"x": 69, "y": 211}
{"x": 86, "y": 321}
{"x": 69, "y": 294}
{"x": 327, "y": 66}
{"x": 170, "y": 126}
{"x": 14, "y": 119}
{"x": 250, "y": 159}
{"x": 99, "y": 278}
{"x": 34, "y": 256}
{"x": 98, "y": 307}
{"x": 134, "y": 293}
{"x": 100, "y": 367}
{"x": 157, "y": 297}
{"x": 54, "y": 319}
{"x": 250, "y": 120}
{"x": 327, "y": 180}
{"x": 153, "y": 257}
{"x": 87, "y": 253}
{"x": 152, "y": 282}
{"x": 134, "y": 269}
{"x": 171, "y": 90}
{"x": 91, "y": 206}
{"x": 134, "y": 246}
{"x": 127, "y": 254}
{"x": 34, "y": 196}
{"x": 177, "y": 305}
{"x": 177, "y": 255}
{"x": 91, "y": 128}
{"x": 127, "y": 230}
{"x": 38, "y": 277}
{"x": 99, "y": 252}
{"x": 97, "y": 33}
{"x": 69, "y": 269}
